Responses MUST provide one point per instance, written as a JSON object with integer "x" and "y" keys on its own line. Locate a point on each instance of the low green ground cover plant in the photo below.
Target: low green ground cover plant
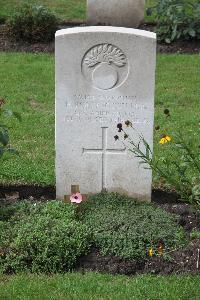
{"x": 128, "y": 229}
{"x": 32, "y": 23}
{"x": 42, "y": 237}
{"x": 50, "y": 237}
{"x": 195, "y": 234}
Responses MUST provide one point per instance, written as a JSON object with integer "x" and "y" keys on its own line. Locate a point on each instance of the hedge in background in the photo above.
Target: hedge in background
{"x": 32, "y": 23}
{"x": 177, "y": 19}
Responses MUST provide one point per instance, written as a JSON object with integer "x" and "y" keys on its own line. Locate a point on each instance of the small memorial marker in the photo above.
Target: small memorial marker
{"x": 124, "y": 13}
{"x": 104, "y": 76}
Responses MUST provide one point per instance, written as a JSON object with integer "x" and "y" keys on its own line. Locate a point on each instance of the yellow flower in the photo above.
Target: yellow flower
{"x": 165, "y": 139}
{"x": 151, "y": 252}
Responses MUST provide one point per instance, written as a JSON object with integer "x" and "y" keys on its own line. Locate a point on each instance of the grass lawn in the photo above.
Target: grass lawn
{"x": 65, "y": 9}
{"x": 29, "y": 87}
{"x": 93, "y": 286}
{"x": 27, "y": 83}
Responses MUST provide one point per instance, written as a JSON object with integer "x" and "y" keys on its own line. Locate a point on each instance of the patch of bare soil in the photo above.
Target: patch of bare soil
{"x": 7, "y": 45}
{"x": 183, "y": 46}
{"x": 182, "y": 261}
{"x": 12, "y": 194}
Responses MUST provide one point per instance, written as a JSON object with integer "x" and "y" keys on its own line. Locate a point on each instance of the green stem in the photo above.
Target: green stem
{"x": 193, "y": 157}
{"x": 153, "y": 167}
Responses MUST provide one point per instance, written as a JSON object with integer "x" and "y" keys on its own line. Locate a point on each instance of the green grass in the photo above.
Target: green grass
{"x": 93, "y": 286}
{"x": 27, "y": 82}
{"x": 177, "y": 89}
{"x": 65, "y": 9}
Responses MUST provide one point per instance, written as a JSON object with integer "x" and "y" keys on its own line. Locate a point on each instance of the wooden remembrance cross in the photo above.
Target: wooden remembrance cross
{"x": 104, "y": 151}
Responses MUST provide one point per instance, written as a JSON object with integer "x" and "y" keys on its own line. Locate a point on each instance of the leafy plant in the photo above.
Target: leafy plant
{"x": 32, "y": 23}
{"x": 4, "y": 130}
{"x": 177, "y": 19}
{"x": 128, "y": 229}
{"x": 181, "y": 173}
{"x": 43, "y": 237}
{"x": 195, "y": 234}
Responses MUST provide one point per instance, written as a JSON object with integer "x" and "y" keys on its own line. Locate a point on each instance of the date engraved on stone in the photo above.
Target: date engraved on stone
{"x": 93, "y": 108}
{"x": 105, "y": 66}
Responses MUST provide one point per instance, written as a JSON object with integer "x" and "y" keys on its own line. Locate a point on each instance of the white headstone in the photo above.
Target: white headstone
{"x": 126, "y": 13}
{"x": 104, "y": 76}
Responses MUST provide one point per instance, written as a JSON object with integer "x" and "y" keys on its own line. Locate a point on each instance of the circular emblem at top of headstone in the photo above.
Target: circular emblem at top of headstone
{"x": 105, "y": 66}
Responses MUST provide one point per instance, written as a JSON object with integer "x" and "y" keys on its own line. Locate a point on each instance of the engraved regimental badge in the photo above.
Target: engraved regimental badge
{"x": 105, "y": 66}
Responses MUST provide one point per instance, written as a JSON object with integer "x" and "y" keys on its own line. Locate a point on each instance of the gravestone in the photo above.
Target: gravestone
{"x": 125, "y": 13}
{"x": 104, "y": 76}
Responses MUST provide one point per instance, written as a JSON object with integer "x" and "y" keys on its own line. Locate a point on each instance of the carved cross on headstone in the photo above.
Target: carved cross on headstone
{"x": 104, "y": 152}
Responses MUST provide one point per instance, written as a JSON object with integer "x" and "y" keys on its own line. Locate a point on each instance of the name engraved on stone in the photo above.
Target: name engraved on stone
{"x": 103, "y": 108}
{"x": 105, "y": 66}
{"x": 104, "y": 151}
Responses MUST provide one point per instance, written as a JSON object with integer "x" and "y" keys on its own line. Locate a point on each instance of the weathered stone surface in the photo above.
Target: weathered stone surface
{"x": 104, "y": 76}
{"x": 125, "y": 13}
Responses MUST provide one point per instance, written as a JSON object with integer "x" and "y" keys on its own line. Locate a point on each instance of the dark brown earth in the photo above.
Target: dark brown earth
{"x": 182, "y": 261}
{"x": 190, "y": 46}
